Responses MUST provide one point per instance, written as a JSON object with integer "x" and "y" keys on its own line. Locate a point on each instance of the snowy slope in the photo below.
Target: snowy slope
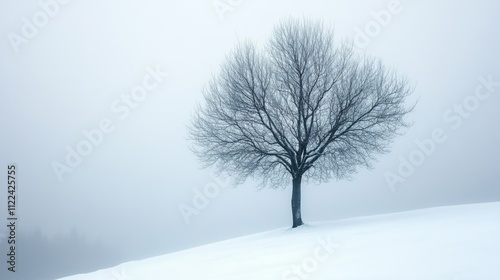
{"x": 444, "y": 243}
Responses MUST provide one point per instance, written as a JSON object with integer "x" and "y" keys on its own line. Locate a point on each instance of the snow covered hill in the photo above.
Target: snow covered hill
{"x": 444, "y": 243}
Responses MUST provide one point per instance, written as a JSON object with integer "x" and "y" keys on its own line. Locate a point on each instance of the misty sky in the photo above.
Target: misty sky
{"x": 78, "y": 72}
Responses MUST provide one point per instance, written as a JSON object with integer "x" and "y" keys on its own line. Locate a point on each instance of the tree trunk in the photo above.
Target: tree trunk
{"x": 297, "y": 218}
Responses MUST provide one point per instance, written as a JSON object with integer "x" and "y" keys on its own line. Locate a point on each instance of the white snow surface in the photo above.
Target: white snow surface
{"x": 443, "y": 243}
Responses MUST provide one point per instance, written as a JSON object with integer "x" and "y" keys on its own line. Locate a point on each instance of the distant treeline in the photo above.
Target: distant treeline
{"x": 39, "y": 257}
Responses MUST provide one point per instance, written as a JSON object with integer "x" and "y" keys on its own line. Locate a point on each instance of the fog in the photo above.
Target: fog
{"x": 76, "y": 73}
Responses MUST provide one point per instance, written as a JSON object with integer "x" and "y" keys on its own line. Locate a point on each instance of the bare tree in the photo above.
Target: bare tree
{"x": 300, "y": 108}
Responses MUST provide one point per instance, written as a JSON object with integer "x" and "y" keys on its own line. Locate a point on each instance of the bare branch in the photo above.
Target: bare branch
{"x": 301, "y": 106}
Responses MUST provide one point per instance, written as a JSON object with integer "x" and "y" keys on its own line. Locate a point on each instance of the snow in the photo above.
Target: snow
{"x": 444, "y": 243}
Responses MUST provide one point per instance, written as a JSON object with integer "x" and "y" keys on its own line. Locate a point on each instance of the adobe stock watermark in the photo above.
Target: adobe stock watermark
{"x": 121, "y": 274}
{"x": 202, "y": 197}
{"x": 222, "y": 7}
{"x": 380, "y": 19}
{"x": 121, "y": 108}
{"x": 31, "y": 27}
{"x": 454, "y": 117}
{"x": 324, "y": 249}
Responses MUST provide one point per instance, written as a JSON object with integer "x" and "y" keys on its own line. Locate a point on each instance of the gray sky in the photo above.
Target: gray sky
{"x": 73, "y": 72}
